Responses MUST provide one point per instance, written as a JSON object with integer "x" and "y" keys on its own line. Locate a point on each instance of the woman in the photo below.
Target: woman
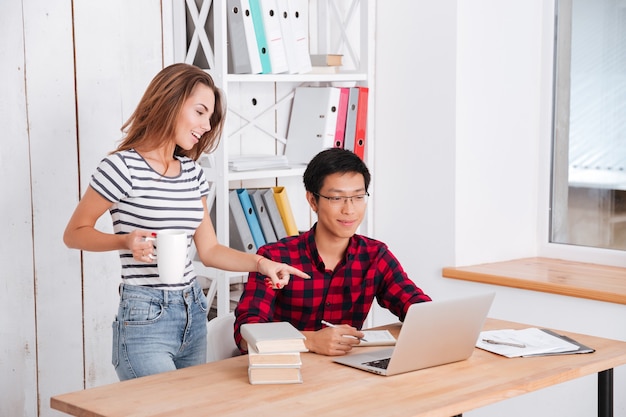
{"x": 152, "y": 182}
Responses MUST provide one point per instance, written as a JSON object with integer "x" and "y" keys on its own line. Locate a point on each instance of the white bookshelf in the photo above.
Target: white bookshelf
{"x": 259, "y": 104}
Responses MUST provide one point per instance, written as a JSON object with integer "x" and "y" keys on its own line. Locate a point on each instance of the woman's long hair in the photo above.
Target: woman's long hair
{"x": 154, "y": 120}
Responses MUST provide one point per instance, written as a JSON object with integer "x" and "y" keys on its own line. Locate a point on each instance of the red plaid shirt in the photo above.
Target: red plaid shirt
{"x": 344, "y": 296}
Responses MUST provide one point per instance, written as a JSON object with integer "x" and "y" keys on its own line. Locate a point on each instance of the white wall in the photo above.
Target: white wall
{"x": 72, "y": 72}
{"x": 463, "y": 134}
{"x": 460, "y": 177}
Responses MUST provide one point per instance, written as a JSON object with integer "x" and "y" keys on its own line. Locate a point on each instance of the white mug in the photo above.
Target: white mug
{"x": 171, "y": 249}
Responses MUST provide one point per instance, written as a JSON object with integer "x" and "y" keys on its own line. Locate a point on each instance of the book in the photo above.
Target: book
{"x": 528, "y": 342}
{"x": 323, "y": 60}
{"x": 283, "y": 359}
{"x": 284, "y": 208}
{"x": 279, "y": 375}
{"x": 273, "y": 337}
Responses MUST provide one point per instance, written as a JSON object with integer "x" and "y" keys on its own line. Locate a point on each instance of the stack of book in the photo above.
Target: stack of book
{"x": 273, "y": 352}
{"x": 326, "y": 63}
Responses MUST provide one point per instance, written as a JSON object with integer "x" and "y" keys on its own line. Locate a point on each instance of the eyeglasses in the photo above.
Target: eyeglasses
{"x": 357, "y": 200}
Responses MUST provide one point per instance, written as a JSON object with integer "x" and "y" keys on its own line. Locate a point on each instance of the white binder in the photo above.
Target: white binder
{"x": 274, "y": 37}
{"x": 312, "y": 123}
{"x": 295, "y": 30}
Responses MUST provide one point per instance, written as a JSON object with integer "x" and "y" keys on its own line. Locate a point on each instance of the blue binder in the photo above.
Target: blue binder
{"x": 261, "y": 213}
{"x": 253, "y": 221}
{"x": 261, "y": 39}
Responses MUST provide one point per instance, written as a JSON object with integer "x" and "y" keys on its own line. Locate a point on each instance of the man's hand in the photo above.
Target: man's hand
{"x": 333, "y": 341}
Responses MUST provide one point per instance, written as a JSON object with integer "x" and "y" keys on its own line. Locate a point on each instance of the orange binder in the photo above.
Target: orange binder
{"x": 284, "y": 208}
{"x": 361, "y": 123}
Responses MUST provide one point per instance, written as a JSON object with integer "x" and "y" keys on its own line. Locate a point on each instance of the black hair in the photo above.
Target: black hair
{"x": 332, "y": 161}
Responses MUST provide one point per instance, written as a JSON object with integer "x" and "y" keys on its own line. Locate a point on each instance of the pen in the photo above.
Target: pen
{"x": 324, "y": 322}
{"x": 497, "y": 342}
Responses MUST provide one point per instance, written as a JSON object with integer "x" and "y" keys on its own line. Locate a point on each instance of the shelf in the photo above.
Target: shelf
{"x": 294, "y": 171}
{"x": 302, "y": 78}
{"x": 259, "y": 105}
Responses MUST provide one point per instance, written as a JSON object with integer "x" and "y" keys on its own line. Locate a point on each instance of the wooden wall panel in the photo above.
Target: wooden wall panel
{"x": 18, "y": 346}
{"x": 54, "y": 170}
{"x": 118, "y": 51}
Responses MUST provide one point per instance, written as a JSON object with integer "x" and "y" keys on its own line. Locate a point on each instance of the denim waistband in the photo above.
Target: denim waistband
{"x": 162, "y": 295}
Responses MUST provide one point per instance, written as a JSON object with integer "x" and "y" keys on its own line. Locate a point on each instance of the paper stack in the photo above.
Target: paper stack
{"x": 252, "y": 162}
{"x": 273, "y": 352}
{"x": 529, "y": 342}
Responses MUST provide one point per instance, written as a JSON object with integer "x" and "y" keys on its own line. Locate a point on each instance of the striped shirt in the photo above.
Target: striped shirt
{"x": 367, "y": 272}
{"x": 144, "y": 199}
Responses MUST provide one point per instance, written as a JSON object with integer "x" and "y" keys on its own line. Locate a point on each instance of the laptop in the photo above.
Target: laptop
{"x": 433, "y": 333}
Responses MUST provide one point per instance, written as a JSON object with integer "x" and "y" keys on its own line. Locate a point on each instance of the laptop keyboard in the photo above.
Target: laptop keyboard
{"x": 380, "y": 363}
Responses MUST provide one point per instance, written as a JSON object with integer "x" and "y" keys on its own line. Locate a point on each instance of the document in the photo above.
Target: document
{"x": 312, "y": 123}
{"x": 254, "y": 162}
{"x": 242, "y": 45}
{"x": 527, "y": 342}
{"x": 377, "y": 338}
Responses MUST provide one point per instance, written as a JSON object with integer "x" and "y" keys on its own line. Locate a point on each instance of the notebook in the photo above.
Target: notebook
{"x": 433, "y": 333}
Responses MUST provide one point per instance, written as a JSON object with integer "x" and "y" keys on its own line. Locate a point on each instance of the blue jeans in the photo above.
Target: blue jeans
{"x": 158, "y": 330}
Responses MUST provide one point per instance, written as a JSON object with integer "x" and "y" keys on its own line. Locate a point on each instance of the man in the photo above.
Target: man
{"x": 348, "y": 271}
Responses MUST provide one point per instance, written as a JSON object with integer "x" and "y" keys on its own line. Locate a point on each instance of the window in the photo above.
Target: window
{"x": 588, "y": 202}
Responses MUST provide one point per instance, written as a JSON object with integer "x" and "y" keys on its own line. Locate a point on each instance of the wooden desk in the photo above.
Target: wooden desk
{"x": 556, "y": 276}
{"x": 329, "y": 389}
